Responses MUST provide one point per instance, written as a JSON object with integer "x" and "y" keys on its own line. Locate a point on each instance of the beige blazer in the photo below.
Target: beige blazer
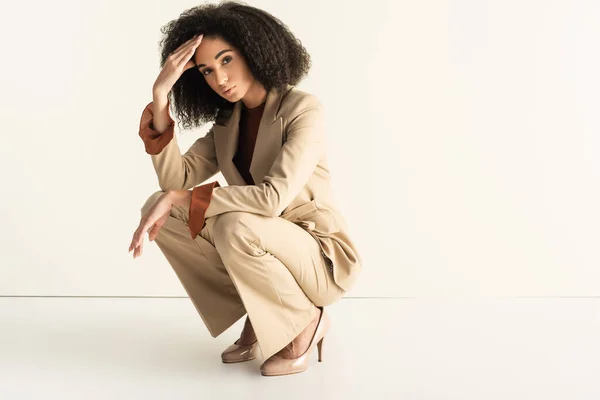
{"x": 289, "y": 165}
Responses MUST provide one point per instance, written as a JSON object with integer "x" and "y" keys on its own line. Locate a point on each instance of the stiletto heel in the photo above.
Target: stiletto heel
{"x": 320, "y": 348}
{"x": 276, "y": 365}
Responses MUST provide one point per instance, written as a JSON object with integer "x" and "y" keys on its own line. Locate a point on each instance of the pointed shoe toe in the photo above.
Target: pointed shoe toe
{"x": 276, "y": 365}
{"x": 239, "y": 353}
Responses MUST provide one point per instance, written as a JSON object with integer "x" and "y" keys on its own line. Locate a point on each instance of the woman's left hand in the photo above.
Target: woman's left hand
{"x": 151, "y": 223}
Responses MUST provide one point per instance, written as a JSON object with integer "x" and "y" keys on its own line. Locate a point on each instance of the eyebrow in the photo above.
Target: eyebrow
{"x": 216, "y": 57}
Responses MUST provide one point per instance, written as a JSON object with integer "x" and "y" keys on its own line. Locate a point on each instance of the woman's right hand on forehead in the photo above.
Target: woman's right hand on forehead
{"x": 176, "y": 64}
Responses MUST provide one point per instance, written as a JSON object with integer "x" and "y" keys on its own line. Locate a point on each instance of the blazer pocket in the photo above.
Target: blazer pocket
{"x": 297, "y": 213}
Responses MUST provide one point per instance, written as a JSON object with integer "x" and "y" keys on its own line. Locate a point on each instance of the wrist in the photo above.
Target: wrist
{"x": 159, "y": 93}
{"x": 180, "y": 198}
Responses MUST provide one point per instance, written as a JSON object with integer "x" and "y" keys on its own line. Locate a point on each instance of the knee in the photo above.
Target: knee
{"x": 228, "y": 223}
{"x": 234, "y": 228}
{"x": 334, "y": 294}
{"x": 151, "y": 201}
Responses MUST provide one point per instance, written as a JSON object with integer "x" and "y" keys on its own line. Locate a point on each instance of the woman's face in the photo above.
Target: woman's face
{"x": 223, "y": 68}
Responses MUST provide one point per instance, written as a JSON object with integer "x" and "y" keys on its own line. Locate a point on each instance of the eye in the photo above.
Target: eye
{"x": 228, "y": 59}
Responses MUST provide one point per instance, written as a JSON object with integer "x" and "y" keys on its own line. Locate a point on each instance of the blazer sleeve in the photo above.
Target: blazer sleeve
{"x": 291, "y": 170}
{"x": 174, "y": 170}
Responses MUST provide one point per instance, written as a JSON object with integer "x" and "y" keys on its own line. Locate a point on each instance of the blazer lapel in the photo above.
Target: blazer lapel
{"x": 268, "y": 141}
{"x": 269, "y": 138}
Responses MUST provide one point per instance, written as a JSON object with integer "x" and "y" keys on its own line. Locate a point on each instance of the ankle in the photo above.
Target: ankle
{"x": 247, "y": 336}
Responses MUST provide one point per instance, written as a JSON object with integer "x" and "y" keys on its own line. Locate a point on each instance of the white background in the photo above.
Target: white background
{"x": 463, "y": 143}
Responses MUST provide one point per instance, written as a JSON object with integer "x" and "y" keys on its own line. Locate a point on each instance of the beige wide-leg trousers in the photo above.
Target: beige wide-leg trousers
{"x": 241, "y": 263}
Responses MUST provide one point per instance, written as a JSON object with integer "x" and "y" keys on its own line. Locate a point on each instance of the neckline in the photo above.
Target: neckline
{"x": 261, "y": 105}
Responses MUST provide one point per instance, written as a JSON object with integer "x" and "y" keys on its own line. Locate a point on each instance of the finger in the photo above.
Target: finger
{"x": 138, "y": 251}
{"x": 190, "y": 64}
{"x": 150, "y": 232}
{"x": 187, "y": 52}
{"x": 133, "y": 241}
{"x": 142, "y": 230}
{"x": 184, "y": 44}
{"x": 184, "y": 48}
{"x": 153, "y": 232}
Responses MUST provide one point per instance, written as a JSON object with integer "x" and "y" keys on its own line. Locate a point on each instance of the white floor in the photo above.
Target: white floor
{"x": 158, "y": 348}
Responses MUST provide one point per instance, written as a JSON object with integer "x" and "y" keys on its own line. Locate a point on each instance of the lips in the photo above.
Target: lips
{"x": 226, "y": 90}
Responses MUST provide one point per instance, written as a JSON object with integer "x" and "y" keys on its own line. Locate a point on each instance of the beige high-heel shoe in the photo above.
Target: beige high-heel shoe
{"x": 238, "y": 352}
{"x": 276, "y": 365}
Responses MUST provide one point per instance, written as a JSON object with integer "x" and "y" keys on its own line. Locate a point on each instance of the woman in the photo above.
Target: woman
{"x": 271, "y": 244}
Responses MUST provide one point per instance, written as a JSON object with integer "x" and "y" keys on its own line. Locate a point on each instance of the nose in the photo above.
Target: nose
{"x": 221, "y": 79}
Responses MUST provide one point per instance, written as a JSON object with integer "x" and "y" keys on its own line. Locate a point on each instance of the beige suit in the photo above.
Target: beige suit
{"x": 271, "y": 249}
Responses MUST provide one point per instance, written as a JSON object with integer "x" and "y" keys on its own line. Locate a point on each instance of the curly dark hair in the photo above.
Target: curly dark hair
{"x": 274, "y": 55}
